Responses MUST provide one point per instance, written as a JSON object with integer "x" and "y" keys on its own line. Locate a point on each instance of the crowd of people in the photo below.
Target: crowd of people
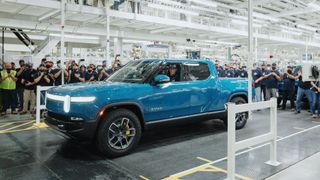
{"x": 18, "y": 85}
{"x": 266, "y": 79}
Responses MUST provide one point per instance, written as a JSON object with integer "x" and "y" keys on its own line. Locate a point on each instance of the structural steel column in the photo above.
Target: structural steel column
{"x": 306, "y": 53}
{"x": 118, "y": 46}
{"x": 250, "y": 50}
{"x": 108, "y": 33}
{"x": 256, "y": 47}
{"x": 63, "y": 13}
{"x": 2, "y": 46}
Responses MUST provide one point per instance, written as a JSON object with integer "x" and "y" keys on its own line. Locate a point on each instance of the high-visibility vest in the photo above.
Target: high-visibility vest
{"x": 8, "y": 84}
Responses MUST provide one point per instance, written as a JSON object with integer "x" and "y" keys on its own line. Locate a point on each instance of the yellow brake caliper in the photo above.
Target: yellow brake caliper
{"x": 127, "y": 131}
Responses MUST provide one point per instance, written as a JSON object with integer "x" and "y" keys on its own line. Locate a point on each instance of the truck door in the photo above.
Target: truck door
{"x": 204, "y": 90}
{"x": 188, "y": 93}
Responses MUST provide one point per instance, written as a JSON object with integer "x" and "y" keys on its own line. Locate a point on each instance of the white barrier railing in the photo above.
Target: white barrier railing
{"x": 40, "y": 106}
{"x": 270, "y": 137}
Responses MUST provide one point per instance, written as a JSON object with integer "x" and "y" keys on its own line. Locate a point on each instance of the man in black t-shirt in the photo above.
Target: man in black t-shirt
{"x": 271, "y": 82}
{"x": 75, "y": 75}
{"x": 256, "y": 74}
{"x": 242, "y": 73}
{"x": 103, "y": 75}
{"x": 57, "y": 74}
{"x": 43, "y": 77}
{"x": 304, "y": 88}
{"x": 29, "y": 95}
{"x": 90, "y": 75}
{"x": 20, "y": 87}
{"x": 289, "y": 87}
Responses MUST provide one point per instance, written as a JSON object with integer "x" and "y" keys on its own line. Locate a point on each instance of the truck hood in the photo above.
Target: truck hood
{"x": 89, "y": 89}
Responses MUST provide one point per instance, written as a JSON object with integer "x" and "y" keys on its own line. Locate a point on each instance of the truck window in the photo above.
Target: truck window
{"x": 195, "y": 71}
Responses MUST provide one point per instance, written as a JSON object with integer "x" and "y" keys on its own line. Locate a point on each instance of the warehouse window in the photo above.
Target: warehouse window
{"x": 195, "y": 71}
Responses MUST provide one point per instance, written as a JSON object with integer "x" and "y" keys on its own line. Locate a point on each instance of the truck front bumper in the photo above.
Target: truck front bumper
{"x": 81, "y": 130}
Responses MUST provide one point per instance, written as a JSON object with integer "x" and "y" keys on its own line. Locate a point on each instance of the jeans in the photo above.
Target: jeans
{"x": 9, "y": 99}
{"x": 263, "y": 90}
{"x": 20, "y": 91}
{"x": 311, "y": 98}
{"x": 271, "y": 92}
{"x": 42, "y": 98}
{"x": 257, "y": 94}
{"x": 318, "y": 102}
{"x": 313, "y": 102}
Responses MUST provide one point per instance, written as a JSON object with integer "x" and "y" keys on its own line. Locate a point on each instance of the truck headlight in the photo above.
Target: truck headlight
{"x": 67, "y": 100}
{"x": 66, "y": 104}
{"x": 83, "y": 99}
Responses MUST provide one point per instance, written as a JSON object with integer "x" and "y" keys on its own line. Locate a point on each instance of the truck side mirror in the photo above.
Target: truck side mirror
{"x": 161, "y": 79}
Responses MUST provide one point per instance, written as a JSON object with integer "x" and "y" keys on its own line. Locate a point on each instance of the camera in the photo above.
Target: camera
{"x": 310, "y": 71}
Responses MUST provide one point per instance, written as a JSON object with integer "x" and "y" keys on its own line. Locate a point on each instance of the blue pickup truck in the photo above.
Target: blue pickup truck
{"x": 142, "y": 94}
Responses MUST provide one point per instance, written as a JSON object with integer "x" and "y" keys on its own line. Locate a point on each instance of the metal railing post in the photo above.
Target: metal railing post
{"x": 38, "y": 110}
{"x": 231, "y": 141}
{"x": 270, "y": 137}
{"x": 273, "y": 129}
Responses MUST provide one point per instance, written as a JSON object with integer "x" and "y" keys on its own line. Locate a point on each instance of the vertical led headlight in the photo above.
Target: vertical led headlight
{"x": 66, "y": 104}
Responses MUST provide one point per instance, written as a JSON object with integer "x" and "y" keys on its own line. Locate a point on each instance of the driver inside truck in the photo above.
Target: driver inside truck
{"x": 173, "y": 73}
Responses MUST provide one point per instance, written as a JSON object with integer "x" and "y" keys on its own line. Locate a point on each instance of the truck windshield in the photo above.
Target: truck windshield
{"x": 135, "y": 72}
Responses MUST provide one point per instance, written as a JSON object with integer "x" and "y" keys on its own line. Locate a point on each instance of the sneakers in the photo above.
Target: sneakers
{"x": 297, "y": 112}
{"x": 3, "y": 113}
{"x": 314, "y": 116}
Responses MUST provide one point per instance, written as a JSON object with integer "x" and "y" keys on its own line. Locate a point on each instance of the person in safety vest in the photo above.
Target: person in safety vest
{"x": 8, "y": 88}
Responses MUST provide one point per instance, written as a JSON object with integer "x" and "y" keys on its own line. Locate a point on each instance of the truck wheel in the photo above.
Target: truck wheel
{"x": 119, "y": 133}
{"x": 241, "y": 118}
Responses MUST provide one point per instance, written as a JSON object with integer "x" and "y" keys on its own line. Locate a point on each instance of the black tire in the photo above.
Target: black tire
{"x": 242, "y": 117}
{"x": 108, "y": 132}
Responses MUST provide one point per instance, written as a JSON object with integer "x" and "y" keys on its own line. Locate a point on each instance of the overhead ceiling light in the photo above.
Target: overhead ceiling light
{"x": 204, "y": 2}
{"x": 220, "y": 42}
{"x": 137, "y": 41}
{"x": 168, "y": 8}
{"x": 76, "y": 36}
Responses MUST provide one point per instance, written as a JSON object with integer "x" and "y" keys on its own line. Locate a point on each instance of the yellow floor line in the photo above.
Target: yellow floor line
{"x": 18, "y": 130}
{"x": 144, "y": 178}
{"x": 206, "y": 168}
{"x": 6, "y": 124}
{"x": 204, "y": 159}
{"x": 14, "y": 127}
{"x": 222, "y": 170}
{"x": 41, "y": 125}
